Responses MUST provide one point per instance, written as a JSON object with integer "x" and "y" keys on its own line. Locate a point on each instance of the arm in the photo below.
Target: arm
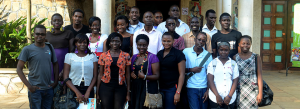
{"x": 104, "y": 46}
{"x": 181, "y": 69}
{"x": 259, "y": 79}
{"x": 131, "y": 40}
{"x": 155, "y": 71}
{"x": 90, "y": 88}
{"x": 214, "y": 55}
{"x": 212, "y": 86}
{"x": 20, "y": 72}
{"x": 127, "y": 75}
{"x": 55, "y": 71}
{"x": 101, "y": 71}
{"x": 70, "y": 84}
{"x": 232, "y": 90}
{"x": 71, "y": 47}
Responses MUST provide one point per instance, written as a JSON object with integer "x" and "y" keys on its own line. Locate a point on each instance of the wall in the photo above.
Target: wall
{"x": 256, "y": 43}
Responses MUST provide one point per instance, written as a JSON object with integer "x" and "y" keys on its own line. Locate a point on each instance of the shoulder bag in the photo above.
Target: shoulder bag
{"x": 152, "y": 100}
{"x": 267, "y": 97}
{"x": 64, "y": 100}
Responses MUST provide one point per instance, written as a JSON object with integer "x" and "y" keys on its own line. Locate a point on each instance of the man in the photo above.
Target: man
{"x": 209, "y": 27}
{"x": 189, "y": 37}
{"x": 226, "y": 35}
{"x": 178, "y": 40}
{"x": 39, "y": 56}
{"x": 197, "y": 91}
{"x": 154, "y": 36}
{"x": 158, "y": 18}
{"x": 134, "y": 23}
{"x": 77, "y": 26}
{"x": 181, "y": 29}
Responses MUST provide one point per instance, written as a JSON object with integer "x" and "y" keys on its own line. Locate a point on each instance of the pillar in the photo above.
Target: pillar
{"x": 227, "y": 6}
{"x": 219, "y": 11}
{"x": 103, "y": 10}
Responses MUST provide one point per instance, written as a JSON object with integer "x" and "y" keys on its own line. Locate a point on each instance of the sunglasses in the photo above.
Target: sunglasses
{"x": 40, "y": 34}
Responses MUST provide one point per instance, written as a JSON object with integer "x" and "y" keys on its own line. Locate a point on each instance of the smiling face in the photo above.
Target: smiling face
{"x": 225, "y": 22}
{"x": 95, "y": 26}
{"x": 224, "y": 51}
{"x": 158, "y": 18}
{"x": 39, "y": 35}
{"x": 245, "y": 45}
{"x": 148, "y": 19}
{"x": 77, "y": 18}
{"x": 195, "y": 24}
{"x": 121, "y": 25}
{"x": 167, "y": 41}
{"x": 211, "y": 19}
{"x": 200, "y": 40}
{"x": 115, "y": 43}
{"x": 56, "y": 22}
{"x": 81, "y": 45}
{"x": 142, "y": 46}
{"x": 134, "y": 14}
{"x": 174, "y": 12}
{"x": 170, "y": 25}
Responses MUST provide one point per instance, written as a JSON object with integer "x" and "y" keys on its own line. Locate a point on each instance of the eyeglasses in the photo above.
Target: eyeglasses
{"x": 171, "y": 24}
{"x": 40, "y": 34}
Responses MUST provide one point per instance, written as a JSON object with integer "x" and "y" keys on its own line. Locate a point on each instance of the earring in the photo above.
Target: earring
{"x": 120, "y": 45}
{"x": 76, "y": 51}
{"x": 62, "y": 28}
{"x": 52, "y": 29}
{"x": 85, "y": 51}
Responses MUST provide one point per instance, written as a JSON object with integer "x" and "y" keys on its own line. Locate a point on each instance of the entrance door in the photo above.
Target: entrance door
{"x": 274, "y": 38}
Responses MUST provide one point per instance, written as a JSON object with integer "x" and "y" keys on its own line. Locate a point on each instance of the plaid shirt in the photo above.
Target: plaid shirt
{"x": 190, "y": 42}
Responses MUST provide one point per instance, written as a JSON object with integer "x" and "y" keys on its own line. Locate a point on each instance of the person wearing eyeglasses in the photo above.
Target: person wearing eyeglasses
{"x": 39, "y": 55}
{"x": 178, "y": 40}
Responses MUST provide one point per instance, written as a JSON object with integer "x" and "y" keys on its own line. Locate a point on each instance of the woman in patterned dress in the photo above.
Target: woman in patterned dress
{"x": 250, "y": 85}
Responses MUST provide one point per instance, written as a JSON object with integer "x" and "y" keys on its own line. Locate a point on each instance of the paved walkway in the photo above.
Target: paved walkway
{"x": 286, "y": 93}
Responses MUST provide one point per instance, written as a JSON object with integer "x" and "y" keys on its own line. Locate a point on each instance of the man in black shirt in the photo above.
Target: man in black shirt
{"x": 77, "y": 26}
{"x": 226, "y": 35}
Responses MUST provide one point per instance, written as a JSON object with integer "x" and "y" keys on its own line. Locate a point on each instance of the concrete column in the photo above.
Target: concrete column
{"x": 256, "y": 33}
{"x": 219, "y": 11}
{"x": 227, "y": 6}
{"x": 103, "y": 10}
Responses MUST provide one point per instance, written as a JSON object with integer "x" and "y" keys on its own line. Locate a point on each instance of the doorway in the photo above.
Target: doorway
{"x": 153, "y": 5}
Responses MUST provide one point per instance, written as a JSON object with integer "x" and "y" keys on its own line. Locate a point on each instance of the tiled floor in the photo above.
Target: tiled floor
{"x": 286, "y": 93}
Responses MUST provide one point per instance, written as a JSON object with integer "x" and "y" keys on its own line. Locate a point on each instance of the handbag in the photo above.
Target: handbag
{"x": 64, "y": 100}
{"x": 152, "y": 100}
{"x": 267, "y": 92}
{"x": 189, "y": 75}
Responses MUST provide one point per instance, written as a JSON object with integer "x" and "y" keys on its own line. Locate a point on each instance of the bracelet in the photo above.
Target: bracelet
{"x": 129, "y": 90}
{"x": 178, "y": 92}
{"x": 188, "y": 69}
{"x": 145, "y": 77}
{"x": 229, "y": 96}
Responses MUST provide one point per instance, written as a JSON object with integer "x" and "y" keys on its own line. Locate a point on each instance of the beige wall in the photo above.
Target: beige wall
{"x": 256, "y": 43}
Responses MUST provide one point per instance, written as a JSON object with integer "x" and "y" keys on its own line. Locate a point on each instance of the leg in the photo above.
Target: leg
{"x": 120, "y": 97}
{"x": 35, "y": 99}
{"x": 106, "y": 95}
{"x": 47, "y": 98}
{"x": 193, "y": 98}
{"x": 169, "y": 98}
{"x": 203, "y": 105}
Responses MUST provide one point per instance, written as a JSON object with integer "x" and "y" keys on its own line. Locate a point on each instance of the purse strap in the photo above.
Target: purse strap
{"x": 256, "y": 64}
{"x": 147, "y": 74}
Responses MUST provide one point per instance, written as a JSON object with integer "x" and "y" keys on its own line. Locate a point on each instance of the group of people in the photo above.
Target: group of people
{"x": 150, "y": 57}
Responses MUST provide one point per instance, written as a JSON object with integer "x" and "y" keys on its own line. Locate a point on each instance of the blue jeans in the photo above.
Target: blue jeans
{"x": 195, "y": 98}
{"x": 168, "y": 97}
{"x": 41, "y": 99}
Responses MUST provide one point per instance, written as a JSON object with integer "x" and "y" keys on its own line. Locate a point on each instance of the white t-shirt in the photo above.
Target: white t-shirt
{"x": 223, "y": 78}
{"x": 99, "y": 44}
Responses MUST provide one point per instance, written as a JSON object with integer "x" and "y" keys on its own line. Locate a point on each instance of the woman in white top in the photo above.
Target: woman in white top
{"x": 81, "y": 69}
{"x": 222, "y": 75}
{"x": 97, "y": 40}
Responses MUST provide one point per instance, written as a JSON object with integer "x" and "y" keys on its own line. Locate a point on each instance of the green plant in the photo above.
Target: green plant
{"x": 13, "y": 39}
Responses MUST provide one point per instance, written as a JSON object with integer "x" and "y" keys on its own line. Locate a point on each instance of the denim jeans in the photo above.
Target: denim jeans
{"x": 195, "y": 98}
{"x": 168, "y": 97}
{"x": 41, "y": 99}
{"x": 215, "y": 105}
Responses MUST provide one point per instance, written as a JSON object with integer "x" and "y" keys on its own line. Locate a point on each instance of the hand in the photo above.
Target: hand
{"x": 219, "y": 100}
{"x": 176, "y": 98}
{"x": 205, "y": 96}
{"x": 141, "y": 74}
{"x": 53, "y": 85}
{"x": 98, "y": 99}
{"x": 133, "y": 75}
{"x": 258, "y": 98}
{"x": 61, "y": 76}
{"x": 86, "y": 97}
{"x": 33, "y": 88}
{"x": 196, "y": 69}
{"x": 227, "y": 100}
{"x": 79, "y": 97}
{"x": 128, "y": 96}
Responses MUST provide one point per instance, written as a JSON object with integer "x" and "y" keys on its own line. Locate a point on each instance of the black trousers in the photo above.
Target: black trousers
{"x": 82, "y": 89}
{"x": 214, "y": 105}
{"x": 112, "y": 96}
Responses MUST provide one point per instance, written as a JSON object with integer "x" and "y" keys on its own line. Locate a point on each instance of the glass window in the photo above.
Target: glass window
{"x": 278, "y": 46}
{"x": 279, "y": 8}
{"x": 279, "y": 21}
{"x": 267, "y": 33}
{"x": 278, "y": 33}
{"x": 266, "y": 46}
{"x": 267, "y": 8}
{"x": 277, "y": 58}
{"x": 267, "y": 20}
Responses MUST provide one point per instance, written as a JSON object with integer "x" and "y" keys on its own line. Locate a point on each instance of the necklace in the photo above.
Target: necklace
{"x": 145, "y": 59}
{"x": 96, "y": 46}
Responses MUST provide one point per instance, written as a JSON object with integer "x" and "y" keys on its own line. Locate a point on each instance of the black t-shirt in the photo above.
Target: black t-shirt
{"x": 114, "y": 72}
{"x": 84, "y": 29}
{"x": 232, "y": 38}
{"x": 169, "y": 72}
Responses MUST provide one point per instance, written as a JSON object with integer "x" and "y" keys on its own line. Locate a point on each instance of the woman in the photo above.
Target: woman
{"x": 222, "y": 76}
{"x": 172, "y": 70}
{"x": 122, "y": 24}
{"x": 97, "y": 40}
{"x": 178, "y": 40}
{"x": 114, "y": 75}
{"x": 145, "y": 68}
{"x": 250, "y": 84}
{"x": 81, "y": 68}
{"x": 61, "y": 40}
